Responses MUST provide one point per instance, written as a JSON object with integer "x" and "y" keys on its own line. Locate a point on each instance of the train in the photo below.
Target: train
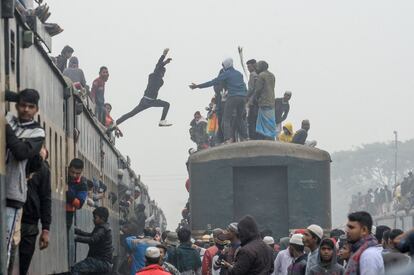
{"x": 72, "y": 130}
{"x": 283, "y": 186}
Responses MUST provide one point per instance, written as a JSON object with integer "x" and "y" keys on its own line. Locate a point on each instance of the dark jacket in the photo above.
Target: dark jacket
{"x": 254, "y": 257}
{"x": 231, "y": 79}
{"x": 61, "y": 62}
{"x": 137, "y": 223}
{"x": 281, "y": 110}
{"x": 155, "y": 80}
{"x": 185, "y": 258}
{"x": 300, "y": 137}
{"x": 198, "y": 132}
{"x": 99, "y": 241}
{"x": 298, "y": 267}
{"x": 333, "y": 268}
{"x": 39, "y": 198}
{"x": 23, "y": 144}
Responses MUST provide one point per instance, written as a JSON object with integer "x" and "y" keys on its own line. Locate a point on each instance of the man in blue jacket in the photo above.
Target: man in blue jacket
{"x": 137, "y": 248}
{"x": 235, "y": 103}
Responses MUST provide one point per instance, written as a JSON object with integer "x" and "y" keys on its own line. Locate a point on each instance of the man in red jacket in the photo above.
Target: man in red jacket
{"x": 152, "y": 257}
{"x": 211, "y": 252}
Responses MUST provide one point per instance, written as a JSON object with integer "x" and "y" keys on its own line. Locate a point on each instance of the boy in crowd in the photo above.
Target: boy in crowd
{"x": 327, "y": 263}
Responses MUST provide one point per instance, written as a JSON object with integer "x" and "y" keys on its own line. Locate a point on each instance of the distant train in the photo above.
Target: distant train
{"x": 71, "y": 131}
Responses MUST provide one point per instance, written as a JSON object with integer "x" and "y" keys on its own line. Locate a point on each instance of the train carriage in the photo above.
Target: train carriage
{"x": 71, "y": 131}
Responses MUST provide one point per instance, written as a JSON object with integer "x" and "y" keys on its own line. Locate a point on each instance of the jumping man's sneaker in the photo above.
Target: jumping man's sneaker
{"x": 164, "y": 123}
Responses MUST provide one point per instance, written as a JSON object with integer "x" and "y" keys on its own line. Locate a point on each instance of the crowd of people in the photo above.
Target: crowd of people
{"x": 241, "y": 249}
{"x": 384, "y": 200}
{"x": 240, "y": 112}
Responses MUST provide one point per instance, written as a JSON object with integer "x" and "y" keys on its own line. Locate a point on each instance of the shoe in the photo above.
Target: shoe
{"x": 164, "y": 123}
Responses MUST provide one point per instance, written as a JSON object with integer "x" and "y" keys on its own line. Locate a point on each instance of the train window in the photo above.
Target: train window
{"x": 61, "y": 162}
{"x": 12, "y": 50}
{"x": 51, "y": 151}
{"x": 56, "y": 163}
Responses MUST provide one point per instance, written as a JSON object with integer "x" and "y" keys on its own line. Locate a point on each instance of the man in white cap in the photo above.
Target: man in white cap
{"x": 235, "y": 103}
{"x": 296, "y": 250}
{"x": 312, "y": 237}
{"x": 283, "y": 259}
{"x": 152, "y": 260}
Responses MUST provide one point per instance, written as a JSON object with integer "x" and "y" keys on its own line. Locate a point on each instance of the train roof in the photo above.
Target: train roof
{"x": 250, "y": 149}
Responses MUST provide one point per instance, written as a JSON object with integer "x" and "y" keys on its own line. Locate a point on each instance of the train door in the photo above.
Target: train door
{"x": 262, "y": 192}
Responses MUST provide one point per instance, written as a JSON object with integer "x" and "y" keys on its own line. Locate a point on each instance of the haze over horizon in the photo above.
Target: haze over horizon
{"x": 348, "y": 63}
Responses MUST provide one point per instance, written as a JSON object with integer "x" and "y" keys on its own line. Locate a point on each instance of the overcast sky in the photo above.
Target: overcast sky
{"x": 348, "y": 63}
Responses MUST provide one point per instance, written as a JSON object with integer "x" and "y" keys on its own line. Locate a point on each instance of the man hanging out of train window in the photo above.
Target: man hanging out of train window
{"x": 37, "y": 207}
{"x": 155, "y": 82}
{"x": 62, "y": 58}
{"x": 98, "y": 94}
{"x": 77, "y": 190}
{"x": 99, "y": 258}
{"x": 24, "y": 139}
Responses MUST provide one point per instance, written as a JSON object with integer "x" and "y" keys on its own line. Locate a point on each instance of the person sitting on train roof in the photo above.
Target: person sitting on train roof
{"x": 287, "y": 134}
{"x": 98, "y": 94}
{"x": 24, "y": 139}
{"x": 74, "y": 72}
{"x": 77, "y": 190}
{"x": 138, "y": 247}
{"x": 62, "y": 58}
{"x": 155, "y": 82}
{"x": 99, "y": 258}
{"x": 38, "y": 206}
{"x": 302, "y": 134}
{"x": 152, "y": 263}
{"x": 198, "y": 131}
{"x": 282, "y": 108}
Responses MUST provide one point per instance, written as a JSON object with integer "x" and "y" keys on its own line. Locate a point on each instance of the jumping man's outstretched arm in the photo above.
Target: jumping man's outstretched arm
{"x": 162, "y": 62}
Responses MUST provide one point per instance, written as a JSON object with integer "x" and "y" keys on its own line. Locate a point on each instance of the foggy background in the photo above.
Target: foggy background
{"x": 348, "y": 63}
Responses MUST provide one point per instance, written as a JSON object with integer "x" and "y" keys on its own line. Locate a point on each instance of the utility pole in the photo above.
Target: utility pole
{"x": 396, "y": 157}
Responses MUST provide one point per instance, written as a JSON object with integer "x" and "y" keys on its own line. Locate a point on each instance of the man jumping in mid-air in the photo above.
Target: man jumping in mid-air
{"x": 149, "y": 99}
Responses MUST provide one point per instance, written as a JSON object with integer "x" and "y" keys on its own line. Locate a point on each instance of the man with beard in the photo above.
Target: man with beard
{"x": 366, "y": 257}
